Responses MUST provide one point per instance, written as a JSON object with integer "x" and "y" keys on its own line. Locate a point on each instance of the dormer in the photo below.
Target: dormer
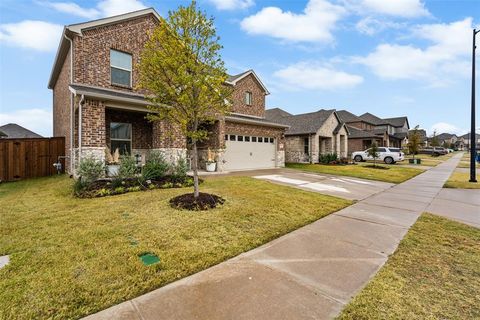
{"x": 248, "y": 95}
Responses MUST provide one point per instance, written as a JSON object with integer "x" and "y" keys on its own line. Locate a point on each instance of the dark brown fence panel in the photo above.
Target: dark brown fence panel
{"x": 29, "y": 158}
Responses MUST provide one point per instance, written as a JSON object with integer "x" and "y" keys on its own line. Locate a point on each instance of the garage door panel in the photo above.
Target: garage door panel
{"x": 241, "y": 155}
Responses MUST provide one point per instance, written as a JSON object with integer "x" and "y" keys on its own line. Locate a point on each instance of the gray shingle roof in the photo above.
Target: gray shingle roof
{"x": 445, "y": 136}
{"x": 109, "y": 94}
{"x": 14, "y": 131}
{"x": 275, "y": 114}
{"x": 232, "y": 78}
{"x": 357, "y": 133}
{"x": 373, "y": 119}
{"x": 467, "y": 136}
{"x": 347, "y": 116}
{"x": 305, "y": 123}
{"x": 397, "y": 121}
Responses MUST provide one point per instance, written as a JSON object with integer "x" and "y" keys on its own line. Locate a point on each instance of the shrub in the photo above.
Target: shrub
{"x": 128, "y": 167}
{"x": 327, "y": 158}
{"x": 79, "y": 186}
{"x": 156, "y": 167}
{"x": 90, "y": 170}
{"x": 119, "y": 190}
{"x": 134, "y": 189}
{"x": 103, "y": 192}
{"x": 179, "y": 171}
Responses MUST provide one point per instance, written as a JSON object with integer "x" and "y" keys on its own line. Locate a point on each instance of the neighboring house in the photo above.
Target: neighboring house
{"x": 96, "y": 103}
{"x": 14, "y": 131}
{"x": 311, "y": 134}
{"x": 466, "y": 141}
{"x": 396, "y": 128}
{"x": 423, "y": 136}
{"x": 447, "y": 139}
{"x": 368, "y": 128}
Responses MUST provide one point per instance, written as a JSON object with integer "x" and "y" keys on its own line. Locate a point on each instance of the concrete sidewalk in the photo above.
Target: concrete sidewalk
{"x": 310, "y": 273}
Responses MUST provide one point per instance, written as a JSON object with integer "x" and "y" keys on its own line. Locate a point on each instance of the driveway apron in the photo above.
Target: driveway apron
{"x": 310, "y": 273}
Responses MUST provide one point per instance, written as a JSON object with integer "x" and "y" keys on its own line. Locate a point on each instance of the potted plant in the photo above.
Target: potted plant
{"x": 112, "y": 162}
{"x": 210, "y": 164}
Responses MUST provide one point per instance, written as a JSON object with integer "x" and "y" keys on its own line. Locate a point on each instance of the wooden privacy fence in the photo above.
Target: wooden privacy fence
{"x": 30, "y": 157}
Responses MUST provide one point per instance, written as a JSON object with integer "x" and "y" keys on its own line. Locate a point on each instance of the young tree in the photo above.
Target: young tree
{"x": 184, "y": 75}
{"x": 414, "y": 141}
{"x": 435, "y": 142}
{"x": 373, "y": 152}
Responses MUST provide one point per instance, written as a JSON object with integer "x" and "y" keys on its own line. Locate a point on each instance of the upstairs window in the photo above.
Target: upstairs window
{"x": 120, "y": 68}
{"x": 248, "y": 98}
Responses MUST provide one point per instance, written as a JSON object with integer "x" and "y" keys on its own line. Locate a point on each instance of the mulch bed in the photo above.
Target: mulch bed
{"x": 108, "y": 187}
{"x": 377, "y": 167}
{"x": 205, "y": 201}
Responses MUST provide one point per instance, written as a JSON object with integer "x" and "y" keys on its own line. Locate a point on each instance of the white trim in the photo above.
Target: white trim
{"x": 79, "y": 27}
{"x": 255, "y": 122}
{"x": 246, "y": 115}
{"x": 249, "y": 72}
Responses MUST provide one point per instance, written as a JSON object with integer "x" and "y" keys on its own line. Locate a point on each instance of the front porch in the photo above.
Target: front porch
{"x": 108, "y": 127}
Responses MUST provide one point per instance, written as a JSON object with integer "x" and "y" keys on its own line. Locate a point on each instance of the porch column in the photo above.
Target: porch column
{"x": 92, "y": 130}
{"x": 169, "y": 140}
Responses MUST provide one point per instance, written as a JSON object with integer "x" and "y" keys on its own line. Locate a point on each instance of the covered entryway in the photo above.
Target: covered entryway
{"x": 249, "y": 152}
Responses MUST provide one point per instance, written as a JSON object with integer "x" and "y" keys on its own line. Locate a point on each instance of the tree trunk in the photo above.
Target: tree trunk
{"x": 196, "y": 191}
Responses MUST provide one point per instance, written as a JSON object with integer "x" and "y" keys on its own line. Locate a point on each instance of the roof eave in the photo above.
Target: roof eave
{"x": 255, "y": 122}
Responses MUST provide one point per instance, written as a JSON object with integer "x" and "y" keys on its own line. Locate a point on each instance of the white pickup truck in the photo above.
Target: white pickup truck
{"x": 387, "y": 155}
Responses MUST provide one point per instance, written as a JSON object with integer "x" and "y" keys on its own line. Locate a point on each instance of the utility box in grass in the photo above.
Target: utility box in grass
{"x": 415, "y": 161}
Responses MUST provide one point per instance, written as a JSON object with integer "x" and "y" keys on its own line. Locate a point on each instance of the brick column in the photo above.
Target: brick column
{"x": 93, "y": 129}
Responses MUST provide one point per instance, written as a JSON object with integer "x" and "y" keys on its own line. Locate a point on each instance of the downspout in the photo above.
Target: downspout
{"x": 80, "y": 127}
{"x": 72, "y": 117}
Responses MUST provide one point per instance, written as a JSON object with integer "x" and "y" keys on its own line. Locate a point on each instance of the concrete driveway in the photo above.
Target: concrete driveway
{"x": 339, "y": 186}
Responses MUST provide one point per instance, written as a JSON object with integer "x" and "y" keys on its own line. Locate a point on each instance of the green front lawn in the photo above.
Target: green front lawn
{"x": 434, "y": 274}
{"x": 459, "y": 180}
{"x": 71, "y": 257}
{"x": 394, "y": 174}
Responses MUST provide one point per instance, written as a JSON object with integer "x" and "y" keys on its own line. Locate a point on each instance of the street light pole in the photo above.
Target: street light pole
{"x": 473, "y": 136}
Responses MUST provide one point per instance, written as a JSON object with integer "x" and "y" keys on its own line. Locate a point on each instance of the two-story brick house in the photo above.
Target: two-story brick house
{"x": 96, "y": 103}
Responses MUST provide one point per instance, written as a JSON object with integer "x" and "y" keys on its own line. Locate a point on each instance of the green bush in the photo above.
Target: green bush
{"x": 179, "y": 171}
{"x": 90, "y": 170}
{"x": 156, "y": 167}
{"x": 128, "y": 167}
{"x": 327, "y": 158}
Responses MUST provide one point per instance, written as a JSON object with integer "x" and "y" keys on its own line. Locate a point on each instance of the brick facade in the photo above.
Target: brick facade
{"x": 91, "y": 67}
{"x": 62, "y": 107}
{"x": 92, "y": 51}
{"x": 141, "y": 127}
{"x": 249, "y": 84}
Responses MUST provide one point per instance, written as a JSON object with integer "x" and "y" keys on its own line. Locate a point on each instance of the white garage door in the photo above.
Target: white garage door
{"x": 247, "y": 152}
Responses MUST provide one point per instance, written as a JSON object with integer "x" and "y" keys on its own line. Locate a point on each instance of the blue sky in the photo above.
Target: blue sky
{"x": 387, "y": 57}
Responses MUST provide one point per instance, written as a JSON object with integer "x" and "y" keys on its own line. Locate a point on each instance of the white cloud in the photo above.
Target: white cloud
{"x": 397, "y": 8}
{"x": 37, "y": 120}
{"x": 73, "y": 9}
{"x": 232, "y": 4}
{"x": 314, "y": 76}
{"x": 31, "y": 34}
{"x": 438, "y": 63}
{"x": 371, "y": 26}
{"x": 315, "y": 24}
{"x": 115, "y": 7}
{"x": 104, "y": 8}
{"x": 443, "y": 127}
